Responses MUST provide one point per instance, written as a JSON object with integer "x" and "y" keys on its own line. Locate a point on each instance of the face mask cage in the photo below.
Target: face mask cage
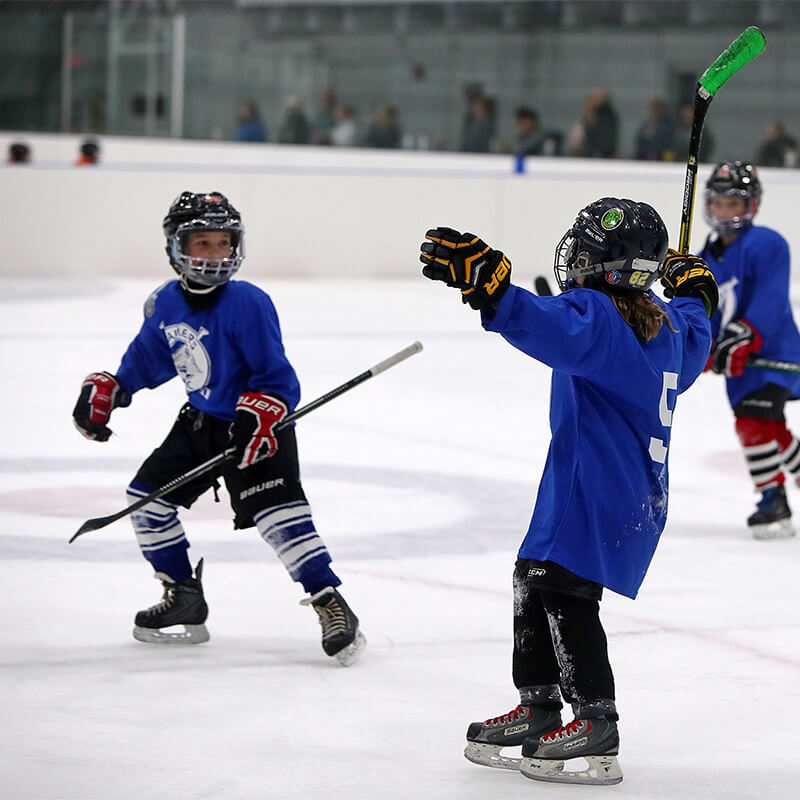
{"x": 206, "y": 272}
{"x": 723, "y": 227}
{"x": 573, "y": 268}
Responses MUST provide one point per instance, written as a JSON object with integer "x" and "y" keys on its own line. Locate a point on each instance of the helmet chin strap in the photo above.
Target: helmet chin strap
{"x": 197, "y": 288}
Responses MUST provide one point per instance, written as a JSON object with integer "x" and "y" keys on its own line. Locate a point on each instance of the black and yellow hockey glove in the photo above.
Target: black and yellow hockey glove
{"x": 464, "y": 261}
{"x": 685, "y": 275}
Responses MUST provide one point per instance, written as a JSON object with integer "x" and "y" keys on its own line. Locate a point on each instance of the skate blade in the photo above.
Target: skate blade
{"x": 350, "y": 653}
{"x": 191, "y": 634}
{"x": 488, "y": 755}
{"x": 783, "y": 529}
{"x": 600, "y": 770}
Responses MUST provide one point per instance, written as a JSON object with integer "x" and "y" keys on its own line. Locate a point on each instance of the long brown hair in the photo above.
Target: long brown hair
{"x": 641, "y": 313}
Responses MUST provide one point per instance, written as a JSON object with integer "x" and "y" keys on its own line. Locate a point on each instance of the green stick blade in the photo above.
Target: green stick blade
{"x": 748, "y": 45}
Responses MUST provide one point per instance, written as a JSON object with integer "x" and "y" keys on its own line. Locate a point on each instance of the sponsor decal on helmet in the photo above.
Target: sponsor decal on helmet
{"x": 612, "y": 219}
{"x": 612, "y": 276}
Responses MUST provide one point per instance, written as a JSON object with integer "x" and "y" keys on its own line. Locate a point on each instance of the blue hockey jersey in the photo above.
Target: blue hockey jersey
{"x": 753, "y": 279}
{"x": 233, "y": 346}
{"x": 602, "y": 500}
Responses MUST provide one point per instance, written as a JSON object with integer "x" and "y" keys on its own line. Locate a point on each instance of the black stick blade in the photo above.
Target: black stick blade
{"x": 542, "y": 287}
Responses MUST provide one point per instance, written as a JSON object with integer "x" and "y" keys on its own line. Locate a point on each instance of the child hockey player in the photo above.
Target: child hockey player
{"x": 751, "y": 265}
{"x": 620, "y": 356}
{"x": 223, "y": 338}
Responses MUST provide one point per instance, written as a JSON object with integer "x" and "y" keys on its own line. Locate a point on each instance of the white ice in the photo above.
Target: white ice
{"x": 421, "y": 481}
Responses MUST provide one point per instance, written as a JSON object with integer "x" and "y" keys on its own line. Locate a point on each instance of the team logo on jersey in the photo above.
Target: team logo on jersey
{"x": 613, "y": 277}
{"x": 612, "y": 219}
{"x": 191, "y": 359}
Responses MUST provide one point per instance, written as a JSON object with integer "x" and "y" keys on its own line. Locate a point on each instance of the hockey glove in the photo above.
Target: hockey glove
{"x": 464, "y": 261}
{"x": 100, "y": 394}
{"x": 732, "y": 348}
{"x": 688, "y": 276}
{"x": 252, "y": 430}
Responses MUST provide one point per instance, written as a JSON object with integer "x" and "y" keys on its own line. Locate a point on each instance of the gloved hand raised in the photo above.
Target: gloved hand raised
{"x": 100, "y": 394}
{"x": 688, "y": 276}
{"x": 252, "y": 430}
{"x": 464, "y": 261}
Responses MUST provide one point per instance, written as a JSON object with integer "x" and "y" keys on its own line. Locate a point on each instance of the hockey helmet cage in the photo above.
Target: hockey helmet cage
{"x": 210, "y": 211}
{"x": 733, "y": 179}
{"x": 614, "y": 244}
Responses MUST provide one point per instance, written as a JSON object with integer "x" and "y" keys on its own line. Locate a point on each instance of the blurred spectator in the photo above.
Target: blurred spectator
{"x": 385, "y": 130}
{"x": 654, "y": 138}
{"x": 294, "y": 128}
{"x": 478, "y": 126}
{"x": 778, "y": 148}
{"x": 325, "y": 118}
{"x": 530, "y": 139}
{"x": 89, "y": 153}
{"x": 19, "y": 153}
{"x": 596, "y": 132}
{"x": 679, "y": 150}
{"x": 344, "y": 132}
{"x": 249, "y": 128}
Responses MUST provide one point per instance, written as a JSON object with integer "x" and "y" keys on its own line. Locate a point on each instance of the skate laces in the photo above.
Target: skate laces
{"x": 331, "y": 617}
{"x": 167, "y": 600}
{"x": 512, "y": 716}
{"x": 570, "y": 729}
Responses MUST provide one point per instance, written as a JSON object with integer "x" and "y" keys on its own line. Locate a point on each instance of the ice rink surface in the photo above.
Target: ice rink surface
{"x": 422, "y": 482}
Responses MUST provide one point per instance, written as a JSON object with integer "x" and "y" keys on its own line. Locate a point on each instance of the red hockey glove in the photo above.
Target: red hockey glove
{"x": 466, "y": 262}
{"x": 252, "y": 429}
{"x": 100, "y": 394}
{"x": 737, "y": 342}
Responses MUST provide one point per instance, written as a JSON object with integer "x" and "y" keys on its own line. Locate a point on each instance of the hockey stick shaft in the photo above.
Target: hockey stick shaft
{"x": 215, "y": 462}
{"x": 755, "y": 362}
{"x": 747, "y": 46}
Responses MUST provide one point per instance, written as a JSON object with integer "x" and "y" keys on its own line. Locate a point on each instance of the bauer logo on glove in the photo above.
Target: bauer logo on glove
{"x": 466, "y": 262}
{"x": 253, "y": 427}
{"x": 685, "y": 275}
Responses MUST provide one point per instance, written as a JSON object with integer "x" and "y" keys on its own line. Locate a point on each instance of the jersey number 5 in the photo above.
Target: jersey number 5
{"x": 657, "y": 449}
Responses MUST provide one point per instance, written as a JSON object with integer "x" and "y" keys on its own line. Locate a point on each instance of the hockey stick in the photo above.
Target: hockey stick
{"x": 542, "y": 286}
{"x": 749, "y": 44}
{"x": 213, "y": 463}
{"x": 767, "y": 363}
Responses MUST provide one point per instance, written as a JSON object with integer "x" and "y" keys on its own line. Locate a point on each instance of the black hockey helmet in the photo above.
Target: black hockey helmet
{"x": 733, "y": 179}
{"x": 211, "y": 211}
{"x": 613, "y": 244}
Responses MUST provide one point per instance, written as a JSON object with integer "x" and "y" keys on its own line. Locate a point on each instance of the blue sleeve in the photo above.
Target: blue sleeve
{"x": 692, "y": 320}
{"x": 574, "y": 332}
{"x": 768, "y": 265}
{"x": 147, "y": 362}
{"x": 261, "y": 344}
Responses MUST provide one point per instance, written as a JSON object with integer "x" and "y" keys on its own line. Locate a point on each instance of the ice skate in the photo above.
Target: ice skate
{"x": 341, "y": 637}
{"x": 589, "y": 747}
{"x": 183, "y": 604}
{"x": 486, "y": 739}
{"x": 772, "y": 518}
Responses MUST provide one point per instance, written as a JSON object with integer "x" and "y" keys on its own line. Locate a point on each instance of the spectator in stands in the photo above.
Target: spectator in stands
{"x": 679, "y": 150}
{"x": 478, "y": 126}
{"x": 385, "y": 130}
{"x": 655, "y": 136}
{"x": 250, "y": 127}
{"x": 344, "y": 132}
{"x": 88, "y": 153}
{"x": 778, "y": 148}
{"x": 325, "y": 118}
{"x": 530, "y": 138}
{"x": 595, "y": 134}
{"x": 19, "y": 153}
{"x": 294, "y": 128}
